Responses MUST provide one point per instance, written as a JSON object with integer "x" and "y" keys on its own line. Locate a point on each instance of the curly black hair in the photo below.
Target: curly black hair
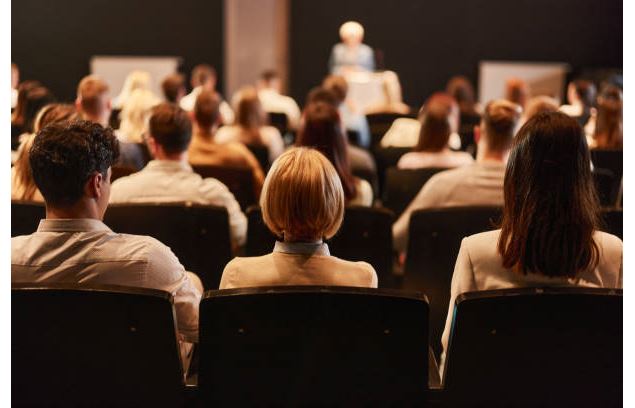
{"x": 64, "y": 156}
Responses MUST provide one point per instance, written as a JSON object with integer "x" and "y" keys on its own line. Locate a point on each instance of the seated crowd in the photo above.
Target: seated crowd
{"x": 527, "y": 155}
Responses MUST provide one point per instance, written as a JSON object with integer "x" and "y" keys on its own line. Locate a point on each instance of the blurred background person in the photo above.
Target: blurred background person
{"x": 135, "y": 114}
{"x": 173, "y": 87}
{"x": 351, "y": 54}
{"x": 269, "y": 92}
{"x": 536, "y": 105}
{"x": 517, "y": 91}
{"x": 354, "y": 120}
{"x": 607, "y": 133}
{"x": 204, "y": 79}
{"x": 461, "y": 89}
{"x": 134, "y": 80}
{"x": 19, "y": 112}
{"x": 15, "y": 80}
{"x": 581, "y": 96}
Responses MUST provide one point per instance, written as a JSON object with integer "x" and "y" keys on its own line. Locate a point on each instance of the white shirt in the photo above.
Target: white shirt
{"x": 188, "y": 101}
{"x": 364, "y": 194}
{"x": 270, "y": 137}
{"x": 404, "y": 132}
{"x": 166, "y": 181}
{"x": 480, "y": 183}
{"x": 87, "y": 251}
{"x": 479, "y": 267}
{"x": 297, "y": 264}
{"x": 445, "y": 158}
{"x": 273, "y": 101}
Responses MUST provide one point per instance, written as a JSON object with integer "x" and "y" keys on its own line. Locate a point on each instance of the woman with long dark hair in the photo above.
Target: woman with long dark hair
{"x": 549, "y": 233}
{"x": 322, "y": 129}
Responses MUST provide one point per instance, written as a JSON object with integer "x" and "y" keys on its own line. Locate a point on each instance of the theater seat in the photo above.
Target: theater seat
{"x": 198, "y": 235}
{"x": 609, "y": 159}
{"x": 607, "y": 185}
{"x": 434, "y": 240}
{"x": 386, "y": 157}
{"x": 261, "y": 153}
{"x": 402, "y": 186}
{"x": 73, "y": 345}
{"x": 319, "y": 346}
{"x": 25, "y": 217}
{"x": 365, "y": 235}
{"x": 379, "y": 123}
{"x": 280, "y": 121}
{"x": 239, "y": 180}
{"x": 551, "y": 347}
{"x": 613, "y": 222}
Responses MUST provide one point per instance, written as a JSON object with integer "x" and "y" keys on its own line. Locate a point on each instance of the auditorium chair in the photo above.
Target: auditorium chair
{"x": 198, "y": 235}
{"x": 370, "y": 176}
{"x": 121, "y": 171}
{"x": 365, "y": 235}
{"x": 608, "y": 159}
{"x": 26, "y": 216}
{"x": 312, "y": 345}
{"x": 115, "y": 118}
{"x": 379, "y": 123}
{"x": 434, "y": 240}
{"x": 239, "y": 180}
{"x": 78, "y": 345}
{"x": 402, "y": 186}
{"x": 607, "y": 185}
{"x": 353, "y": 137}
{"x": 386, "y": 157}
{"x": 280, "y": 121}
{"x": 612, "y": 222}
{"x": 547, "y": 347}
{"x": 261, "y": 153}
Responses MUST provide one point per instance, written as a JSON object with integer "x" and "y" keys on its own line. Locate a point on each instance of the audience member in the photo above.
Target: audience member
{"x": 439, "y": 120}
{"x": 322, "y": 129}
{"x": 517, "y": 91}
{"x": 135, "y": 80}
{"x": 173, "y": 87}
{"x": 273, "y": 101}
{"x": 22, "y": 184}
{"x": 204, "y": 150}
{"x": 608, "y": 123}
{"x": 36, "y": 99}
{"x": 353, "y": 119}
{"x": 169, "y": 177}
{"x": 581, "y": 96}
{"x": 549, "y": 234}
{"x": 250, "y": 126}
{"x": 204, "y": 78}
{"x": 135, "y": 114}
{"x": 351, "y": 54}
{"x": 71, "y": 165}
{"x": 480, "y": 183}
{"x": 536, "y": 105}
{"x": 15, "y": 80}
{"x": 460, "y": 88}
{"x": 19, "y": 112}
{"x": 302, "y": 204}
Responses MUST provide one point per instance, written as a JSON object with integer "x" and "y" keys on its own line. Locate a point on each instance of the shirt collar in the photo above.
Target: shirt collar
{"x": 304, "y": 248}
{"x": 168, "y": 165}
{"x": 72, "y": 225}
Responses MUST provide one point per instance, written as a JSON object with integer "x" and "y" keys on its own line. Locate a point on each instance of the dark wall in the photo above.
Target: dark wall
{"x": 428, "y": 41}
{"x": 53, "y": 41}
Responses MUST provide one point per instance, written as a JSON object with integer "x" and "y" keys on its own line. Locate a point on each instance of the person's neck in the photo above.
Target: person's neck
{"x": 99, "y": 119}
{"x": 293, "y": 240}
{"x": 486, "y": 155}
{"x": 81, "y": 209}
{"x": 174, "y": 157}
{"x": 207, "y": 133}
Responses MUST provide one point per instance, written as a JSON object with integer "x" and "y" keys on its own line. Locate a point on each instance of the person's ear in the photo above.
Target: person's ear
{"x": 78, "y": 104}
{"x": 477, "y": 134}
{"x": 152, "y": 145}
{"x": 94, "y": 185}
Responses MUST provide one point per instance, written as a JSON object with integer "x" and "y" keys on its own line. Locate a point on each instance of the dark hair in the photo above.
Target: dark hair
{"x": 202, "y": 73}
{"x": 460, "y": 88}
{"x": 36, "y": 99}
{"x": 171, "y": 86}
{"x": 321, "y": 94}
{"x": 608, "y": 128}
{"x": 322, "y": 130}
{"x": 170, "y": 127}
{"x": 435, "y": 124}
{"x": 90, "y": 91}
{"x": 551, "y": 206}
{"x": 64, "y": 156}
{"x": 338, "y": 85}
{"x": 55, "y": 113}
{"x": 269, "y": 75}
{"x": 499, "y": 122}
{"x": 17, "y": 119}
{"x": 250, "y": 117}
{"x": 207, "y": 109}
{"x": 517, "y": 91}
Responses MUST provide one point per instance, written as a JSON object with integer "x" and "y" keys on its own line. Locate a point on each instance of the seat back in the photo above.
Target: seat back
{"x": 402, "y": 186}
{"x": 365, "y": 235}
{"x": 536, "y": 347}
{"x": 386, "y": 157}
{"x": 198, "y": 235}
{"x": 295, "y": 346}
{"x": 26, "y": 216}
{"x": 607, "y": 185}
{"x": 280, "y": 121}
{"x": 434, "y": 240}
{"x": 239, "y": 180}
{"x": 73, "y": 345}
{"x": 613, "y": 221}
{"x": 609, "y": 159}
{"x": 121, "y": 171}
{"x": 261, "y": 153}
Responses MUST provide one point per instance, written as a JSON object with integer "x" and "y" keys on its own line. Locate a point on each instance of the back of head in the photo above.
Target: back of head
{"x": 440, "y": 115}
{"x": 20, "y": 106}
{"x": 540, "y": 104}
{"x": 551, "y": 207}
{"x": 170, "y": 127}
{"x": 585, "y": 91}
{"x": 36, "y": 99}
{"x": 337, "y": 85}
{"x": 322, "y": 130}
{"x": 608, "y": 128}
{"x": 201, "y": 74}
{"x": 460, "y": 88}
{"x": 352, "y": 32}
{"x": 321, "y": 94}
{"x": 499, "y": 121}
{"x": 135, "y": 114}
{"x": 92, "y": 93}
{"x": 249, "y": 112}
{"x": 302, "y": 197}
{"x": 207, "y": 109}
{"x": 64, "y": 156}
{"x": 517, "y": 91}
{"x": 172, "y": 85}
{"x": 55, "y": 113}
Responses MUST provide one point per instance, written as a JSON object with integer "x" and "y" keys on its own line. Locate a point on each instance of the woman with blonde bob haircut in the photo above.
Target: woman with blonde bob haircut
{"x": 302, "y": 203}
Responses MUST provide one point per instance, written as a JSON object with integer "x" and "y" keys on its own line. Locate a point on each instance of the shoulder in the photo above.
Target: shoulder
{"x": 359, "y": 272}
{"x": 270, "y": 131}
{"x": 483, "y": 244}
{"x": 247, "y": 271}
{"x": 610, "y": 246}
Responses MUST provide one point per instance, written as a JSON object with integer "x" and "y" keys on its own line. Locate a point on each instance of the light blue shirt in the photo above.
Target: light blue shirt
{"x": 362, "y": 57}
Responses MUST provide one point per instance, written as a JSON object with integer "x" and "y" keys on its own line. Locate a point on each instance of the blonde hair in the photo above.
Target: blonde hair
{"x": 135, "y": 115}
{"x": 302, "y": 198}
{"x": 22, "y": 184}
{"x": 135, "y": 80}
{"x": 351, "y": 28}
